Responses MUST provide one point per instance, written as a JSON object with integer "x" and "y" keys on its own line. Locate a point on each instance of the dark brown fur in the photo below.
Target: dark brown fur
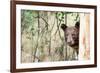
{"x": 71, "y": 37}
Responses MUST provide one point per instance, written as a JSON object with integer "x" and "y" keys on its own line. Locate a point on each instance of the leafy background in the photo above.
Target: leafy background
{"x": 42, "y": 38}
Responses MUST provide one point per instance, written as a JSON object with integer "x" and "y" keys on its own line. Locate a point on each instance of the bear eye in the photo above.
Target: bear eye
{"x": 73, "y": 34}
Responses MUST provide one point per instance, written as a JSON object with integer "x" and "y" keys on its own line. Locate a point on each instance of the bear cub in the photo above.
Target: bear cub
{"x": 71, "y": 35}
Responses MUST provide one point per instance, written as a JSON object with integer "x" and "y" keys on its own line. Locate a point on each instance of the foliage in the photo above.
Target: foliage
{"x": 42, "y": 38}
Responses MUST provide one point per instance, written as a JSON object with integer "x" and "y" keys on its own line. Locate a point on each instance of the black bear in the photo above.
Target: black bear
{"x": 71, "y": 35}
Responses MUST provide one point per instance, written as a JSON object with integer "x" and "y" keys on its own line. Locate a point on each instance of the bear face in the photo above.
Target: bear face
{"x": 71, "y": 34}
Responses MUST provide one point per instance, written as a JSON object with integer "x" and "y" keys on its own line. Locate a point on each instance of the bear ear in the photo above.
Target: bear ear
{"x": 77, "y": 25}
{"x": 63, "y": 26}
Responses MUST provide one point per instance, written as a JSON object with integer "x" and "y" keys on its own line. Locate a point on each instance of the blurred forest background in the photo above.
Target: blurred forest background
{"x": 42, "y": 38}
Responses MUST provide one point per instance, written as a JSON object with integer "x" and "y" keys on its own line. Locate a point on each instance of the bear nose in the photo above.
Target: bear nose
{"x": 70, "y": 41}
